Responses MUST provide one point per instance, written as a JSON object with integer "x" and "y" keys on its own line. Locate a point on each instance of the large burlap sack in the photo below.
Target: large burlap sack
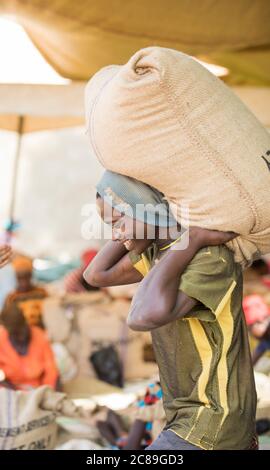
{"x": 166, "y": 120}
{"x": 27, "y": 418}
{"x": 57, "y": 324}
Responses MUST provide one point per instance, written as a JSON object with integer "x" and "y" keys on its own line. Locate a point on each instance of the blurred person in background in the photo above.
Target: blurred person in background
{"x": 26, "y": 293}
{"x": 257, "y": 314}
{"x": 147, "y": 419}
{"x": 7, "y": 274}
{"x": 261, "y": 331}
{"x": 26, "y": 357}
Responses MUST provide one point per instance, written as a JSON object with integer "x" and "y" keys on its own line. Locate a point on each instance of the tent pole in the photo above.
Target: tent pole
{"x": 15, "y": 168}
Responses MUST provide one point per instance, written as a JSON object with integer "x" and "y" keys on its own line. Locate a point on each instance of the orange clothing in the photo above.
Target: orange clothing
{"x": 36, "y": 368}
{"x": 16, "y": 296}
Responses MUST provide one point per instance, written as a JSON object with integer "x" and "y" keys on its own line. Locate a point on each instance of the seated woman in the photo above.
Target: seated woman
{"x": 27, "y": 293}
{"x": 26, "y": 357}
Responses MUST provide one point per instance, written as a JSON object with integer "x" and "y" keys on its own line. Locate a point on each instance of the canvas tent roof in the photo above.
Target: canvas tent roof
{"x": 77, "y": 38}
{"x": 42, "y": 106}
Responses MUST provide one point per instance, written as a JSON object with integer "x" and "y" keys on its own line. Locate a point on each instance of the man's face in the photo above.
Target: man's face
{"x": 133, "y": 234}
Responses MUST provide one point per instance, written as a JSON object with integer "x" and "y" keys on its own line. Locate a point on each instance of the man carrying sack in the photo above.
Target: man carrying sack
{"x": 164, "y": 120}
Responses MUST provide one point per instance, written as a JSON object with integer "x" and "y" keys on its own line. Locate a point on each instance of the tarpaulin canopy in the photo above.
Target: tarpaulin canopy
{"x": 77, "y": 38}
{"x": 29, "y": 108}
{"x": 43, "y": 107}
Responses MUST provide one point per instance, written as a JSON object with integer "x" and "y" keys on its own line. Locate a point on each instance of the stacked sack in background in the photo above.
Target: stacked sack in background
{"x": 79, "y": 325}
{"x": 164, "y": 119}
{"x": 28, "y": 419}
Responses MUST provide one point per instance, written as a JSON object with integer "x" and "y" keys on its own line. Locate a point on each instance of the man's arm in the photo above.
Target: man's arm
{"x": 111, "y": 267}
{"x": 141, "y": 320}
{"x": 158, "y": 300}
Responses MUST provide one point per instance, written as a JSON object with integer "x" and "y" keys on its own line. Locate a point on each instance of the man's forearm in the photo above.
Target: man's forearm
{"x": 158, "y": 301}
{"x": 160, "y": 287}
{"x": 107, "y": 257}
{"x": 111, "y": 267}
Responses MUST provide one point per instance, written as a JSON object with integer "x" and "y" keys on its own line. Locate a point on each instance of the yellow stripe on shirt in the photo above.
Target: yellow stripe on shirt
{"x": 225, "y": 321}
{"x": 143, "y": 265}
{"x": 205, "y": 352}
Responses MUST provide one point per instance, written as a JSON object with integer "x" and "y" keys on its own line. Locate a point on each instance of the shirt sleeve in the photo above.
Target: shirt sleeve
{"x": 210, "y": 279}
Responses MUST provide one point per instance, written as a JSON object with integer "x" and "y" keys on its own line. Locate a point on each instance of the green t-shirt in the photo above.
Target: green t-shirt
{"x": 204, "y": 358}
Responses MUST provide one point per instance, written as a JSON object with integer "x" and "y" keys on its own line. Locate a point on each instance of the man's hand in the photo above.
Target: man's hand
{"x": 5, "y": 255}
{"x": 204, "y": 237}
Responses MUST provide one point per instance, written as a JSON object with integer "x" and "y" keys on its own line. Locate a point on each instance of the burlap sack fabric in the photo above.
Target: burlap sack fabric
{"x": 27, "y": 419}
{"x": 164, "y": 119}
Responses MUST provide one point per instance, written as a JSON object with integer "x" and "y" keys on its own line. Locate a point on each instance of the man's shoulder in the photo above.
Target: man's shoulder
{"x": 217, "y": 260}
{"x": 212, "y": 260}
